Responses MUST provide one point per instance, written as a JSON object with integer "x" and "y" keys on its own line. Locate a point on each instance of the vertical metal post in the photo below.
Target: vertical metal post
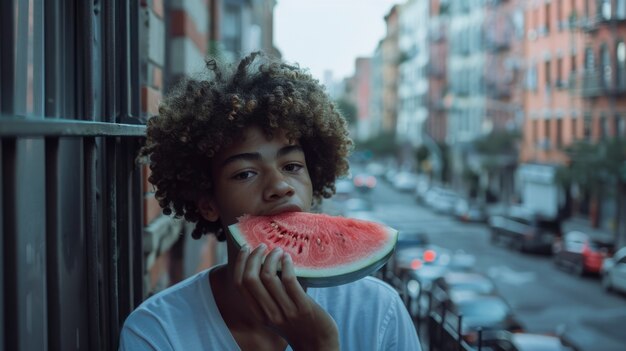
{"x": 480, "y": 339}
{"x": 52, "y": 244}
{"x": 111, "y": 240}
{"x": 94, "y": 255}
{"x": 459, "y": 332}
{"x": 11, "y": 341}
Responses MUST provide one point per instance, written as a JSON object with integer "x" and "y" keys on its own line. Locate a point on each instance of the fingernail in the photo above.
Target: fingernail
{"x": 245, "y": 248}
{"x": 278, "y": 250}
{"x": 263, "y": 246}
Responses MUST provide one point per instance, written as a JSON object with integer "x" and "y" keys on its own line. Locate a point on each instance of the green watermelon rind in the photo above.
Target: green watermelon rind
{"x": 340, "y": 274}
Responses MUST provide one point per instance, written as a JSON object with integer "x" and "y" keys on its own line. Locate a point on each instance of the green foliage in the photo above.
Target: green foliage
{"x": 347, "y": 109}
{"x": 382, "y": 145}
{"x": 422, "y": 153}
{"x": 498, "y": 142}
{"x": 594, "y": 164}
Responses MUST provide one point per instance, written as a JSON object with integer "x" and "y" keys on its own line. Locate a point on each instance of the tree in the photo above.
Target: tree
{"x": 593, "y": 167}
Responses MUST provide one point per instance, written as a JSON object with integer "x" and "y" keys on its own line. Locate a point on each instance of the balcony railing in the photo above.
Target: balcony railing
{"x": 591, "y": 84}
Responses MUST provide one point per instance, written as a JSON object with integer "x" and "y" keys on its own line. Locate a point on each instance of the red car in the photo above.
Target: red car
{"x": 580, "y": 253}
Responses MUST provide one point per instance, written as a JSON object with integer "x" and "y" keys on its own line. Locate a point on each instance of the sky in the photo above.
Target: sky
{"x": 329, "y": 34}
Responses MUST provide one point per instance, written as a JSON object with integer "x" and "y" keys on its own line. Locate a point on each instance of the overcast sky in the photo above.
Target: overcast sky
{"x": 329, "y": 34}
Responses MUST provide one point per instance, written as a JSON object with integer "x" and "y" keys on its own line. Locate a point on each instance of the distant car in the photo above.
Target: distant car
{"x": 364, "y": 182}
{"x": 524, "y": 231}
{"x": 502, "y": 340}
{"x": 465, "y": 281}
{"x": 405, "y": 181}
{"x": 344, "y": 187}
{"x": 470, "y": 211}
{"x": 614, "y": 272}
{"x": 486, "y": 312}
{"x": 359, "y": 208}
{"x": 580, "y": 253}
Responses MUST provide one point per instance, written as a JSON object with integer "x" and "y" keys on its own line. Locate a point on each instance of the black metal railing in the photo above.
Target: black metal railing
{"x": 71, "y": 215}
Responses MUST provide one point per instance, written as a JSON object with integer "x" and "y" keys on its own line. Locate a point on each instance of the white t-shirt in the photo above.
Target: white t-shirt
{"x": 368, "y": 313}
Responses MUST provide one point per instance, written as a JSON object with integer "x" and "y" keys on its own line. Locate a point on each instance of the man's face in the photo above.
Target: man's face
{"x": 258, "y": 176}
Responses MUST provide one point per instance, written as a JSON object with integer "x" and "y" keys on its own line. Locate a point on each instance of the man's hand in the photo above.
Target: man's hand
{"x": 281, "y": 303}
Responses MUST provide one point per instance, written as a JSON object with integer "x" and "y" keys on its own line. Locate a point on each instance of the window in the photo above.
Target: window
{"x": 531, "y": 78}
{"x": 547, "y": 14}
{"x": 620, "y": 63}
{"x": 620, "y": 126}
{"x": 559, "y": 14}
{"x": 548, "y": 74}
{"x": 559, "y": 74}
{"x": 587, "y": 127}
{"x": 604, "y": 127}
{"x": 574, "y": 128}
{"x": 605, "y": 59}
{"x": 620, "y": 9}
{"x": 559, "y": 135}
{"x": 590, "y": 61}
{"x": 605, "y": 9}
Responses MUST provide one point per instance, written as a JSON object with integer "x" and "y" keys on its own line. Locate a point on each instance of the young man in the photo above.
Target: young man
{"x": 260, "y": 139}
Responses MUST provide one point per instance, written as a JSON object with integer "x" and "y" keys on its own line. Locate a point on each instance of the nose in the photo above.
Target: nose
{"x": 277, "y": 187}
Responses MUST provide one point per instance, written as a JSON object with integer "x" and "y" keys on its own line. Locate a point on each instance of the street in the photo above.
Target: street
{"x": 544, "y": 298}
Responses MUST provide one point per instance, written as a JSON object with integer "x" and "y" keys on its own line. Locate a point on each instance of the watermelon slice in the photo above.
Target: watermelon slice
{"x": 326, "y": 250}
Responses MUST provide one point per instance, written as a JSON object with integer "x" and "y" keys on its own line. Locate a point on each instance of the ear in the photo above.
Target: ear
{"x": 208, "y": 210}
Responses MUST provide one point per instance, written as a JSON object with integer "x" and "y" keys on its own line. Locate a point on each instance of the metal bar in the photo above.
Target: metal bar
{"x": 94, "y": 273}
{"x": 20, "y": 127}
{"x": 52, "y": 244}
{"x": 111, "y": 90}
{"x": 137, "y": 260}
{"x": 7, "y": 59}
{"x": 2, "y": 265}
{"x": 124, "y": 273}
{"x": 459, "y": 332}
{"x": 9, "y": 255}
{"x": 111, "y": 241}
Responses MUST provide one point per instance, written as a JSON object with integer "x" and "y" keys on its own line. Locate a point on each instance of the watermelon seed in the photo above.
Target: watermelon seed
{"x": 300, "y": 249}
{"x": 318, "y": 241}
{"x": 321, "y": 247}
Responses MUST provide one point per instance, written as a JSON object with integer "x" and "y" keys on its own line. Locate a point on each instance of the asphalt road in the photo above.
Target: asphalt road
{"x": 543, "y": 297}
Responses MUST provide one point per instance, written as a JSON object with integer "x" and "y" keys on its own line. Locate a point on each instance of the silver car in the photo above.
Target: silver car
{"x": 614, "y": 271}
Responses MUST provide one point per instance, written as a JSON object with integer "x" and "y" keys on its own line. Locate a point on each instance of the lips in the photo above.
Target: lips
{"x": 283, "y": 208}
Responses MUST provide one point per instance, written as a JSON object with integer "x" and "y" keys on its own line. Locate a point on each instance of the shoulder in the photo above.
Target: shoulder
{"x": 167, "y": 306}
{"x": 366, "y": 289}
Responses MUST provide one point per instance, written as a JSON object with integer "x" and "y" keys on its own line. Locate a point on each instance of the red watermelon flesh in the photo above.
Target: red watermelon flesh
{"x": 326, "y": 250}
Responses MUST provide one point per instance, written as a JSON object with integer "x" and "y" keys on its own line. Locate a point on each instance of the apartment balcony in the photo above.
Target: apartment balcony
{"x": 593, "y": 23}
{"x": 498, "y": 41}
{"x": 497, "y": 90}
{"x": 591, "y": 84}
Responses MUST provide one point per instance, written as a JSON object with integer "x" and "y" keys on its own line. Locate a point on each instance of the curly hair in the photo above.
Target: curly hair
{"x": 201, "y": 116}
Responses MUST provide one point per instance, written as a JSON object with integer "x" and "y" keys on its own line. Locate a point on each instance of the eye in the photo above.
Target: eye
{"x": 243, "y": 175}
{"x": 293, "y": 167}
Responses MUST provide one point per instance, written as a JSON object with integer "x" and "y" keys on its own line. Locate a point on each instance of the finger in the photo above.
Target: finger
{"x": 274, "y": 285}
{"x": 291, "y": 284}
{"x": 255, "y": 288}
{"x": 240, "y": 265}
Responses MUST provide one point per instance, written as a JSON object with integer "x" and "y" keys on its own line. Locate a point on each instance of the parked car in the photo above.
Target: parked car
{"x": 503, "y": 340}
{"x": 465, "y": 281}
{"x": 364, "y": 182}
{"x": 525, "y": 231}
{"x": 486, "y": 312}
{"x": 580, "y": 253}
{"x": 441, "y": 200}
{"x": 405, "y": 181}
{"x": 614, "y": 272}
{"x": 470, "y": 211}
{"x": 360, "y": 208}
